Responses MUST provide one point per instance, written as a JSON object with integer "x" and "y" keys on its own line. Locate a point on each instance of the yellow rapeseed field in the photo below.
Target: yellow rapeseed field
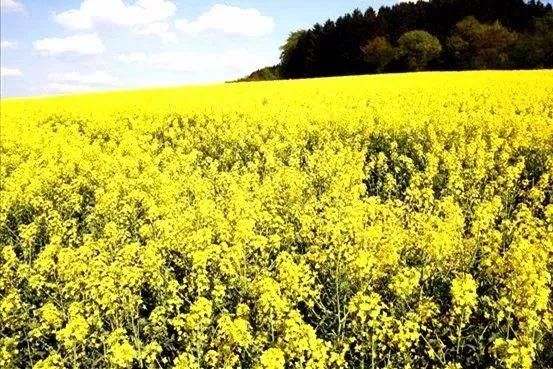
{"x": 391, "y": 221}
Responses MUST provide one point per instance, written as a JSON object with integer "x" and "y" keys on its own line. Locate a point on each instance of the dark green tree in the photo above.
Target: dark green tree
{"x": 544, "y": 38}
{"x": 417, "y": 48}
{"x": 535, "y": 50}
{"x": 378, "y": 53}
{"x": 287, "y": 50}
{"x": 475, "y": 45}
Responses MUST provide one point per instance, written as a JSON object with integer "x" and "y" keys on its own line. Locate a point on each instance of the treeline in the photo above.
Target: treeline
{"x": 424, "y": 35}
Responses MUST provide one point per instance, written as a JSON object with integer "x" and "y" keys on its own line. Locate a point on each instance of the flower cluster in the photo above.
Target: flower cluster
{"x": 464, "y": 296}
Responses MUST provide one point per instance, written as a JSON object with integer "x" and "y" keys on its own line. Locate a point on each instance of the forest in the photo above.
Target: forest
{"x": 417, "y": 36}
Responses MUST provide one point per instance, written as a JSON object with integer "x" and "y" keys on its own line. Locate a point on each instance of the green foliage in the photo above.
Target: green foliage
{"x": 535, "y": 50}
{"x": 418, "y": 48}
{"x": 263, "y": 74}
{"x": 379, "y": 53}
{"x": 291, "y": 43}
{"x": 481, "y": 46}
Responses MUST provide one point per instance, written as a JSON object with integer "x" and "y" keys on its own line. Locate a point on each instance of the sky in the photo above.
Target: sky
{"x": 66, "y": 46}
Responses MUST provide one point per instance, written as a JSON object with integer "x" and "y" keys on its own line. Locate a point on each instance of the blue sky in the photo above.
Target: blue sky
{"x": 63, "y": 46}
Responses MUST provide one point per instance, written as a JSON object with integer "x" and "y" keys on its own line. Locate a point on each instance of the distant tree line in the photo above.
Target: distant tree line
{"x": 423, "y": 35}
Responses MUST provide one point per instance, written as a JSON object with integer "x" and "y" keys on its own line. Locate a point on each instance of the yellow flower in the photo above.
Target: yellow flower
{"x": 186, "y": 361}
{"x": 51, "y": 315}
{"x": 121, "y": 352}
{"x": 404, "y": 283}
{"x": 53, "y": 361}
{"x": 366, "y": 308}
{"x": 453, "y": 366}
{"x": 75, "y": 331}
{"x": 464, "y": 296}
{"x": 272, "y": 358}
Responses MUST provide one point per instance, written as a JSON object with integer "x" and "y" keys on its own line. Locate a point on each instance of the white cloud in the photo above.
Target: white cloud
{"x": 234, "y": 61}
{"x": 175, "y": 61}
{"x": 11, "y": 5}
{"x": 10, "y": 72}
{"x": 67, "y": 88}
{"x": 5, "y": 44}
{"x": 96, "y": 12}
{"x": 160, "y": 30}
{"x": 95, "y": 78}
{"x": 241, "y": 61}
{"x": 144, "y": 17}
{"x": 77, "y": 82}
{"x": 229, "y": 19}
{"x": 85, "y": 44}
